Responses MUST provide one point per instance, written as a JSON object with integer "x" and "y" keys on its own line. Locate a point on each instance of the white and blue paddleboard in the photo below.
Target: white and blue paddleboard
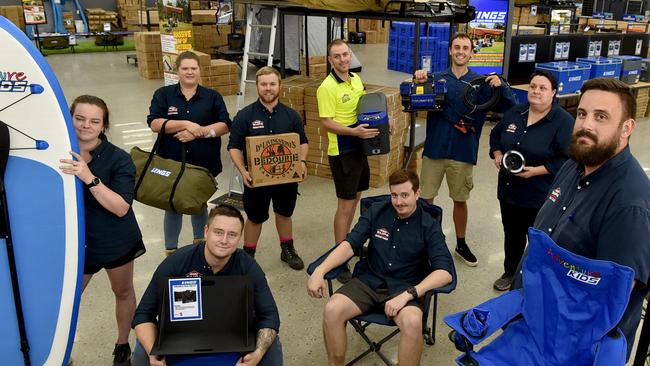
{"x": 45, "y": 208}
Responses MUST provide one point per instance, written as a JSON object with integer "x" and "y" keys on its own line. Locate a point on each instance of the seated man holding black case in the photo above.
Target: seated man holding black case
{"x": 218, "y": 256}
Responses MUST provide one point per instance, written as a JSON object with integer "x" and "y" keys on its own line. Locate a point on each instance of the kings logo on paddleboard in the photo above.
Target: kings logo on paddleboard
{"x": 13, "y": 81}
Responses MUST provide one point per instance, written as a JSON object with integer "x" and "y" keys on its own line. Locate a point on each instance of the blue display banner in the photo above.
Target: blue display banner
{"x": 488, "y": 31}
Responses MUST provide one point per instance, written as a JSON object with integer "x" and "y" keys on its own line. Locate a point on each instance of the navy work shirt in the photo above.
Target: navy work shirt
{"x": 204, "y": 108}
{"x": 546, "y": 143}
{"x": 446, "y": 142}
{"x": 605, "y": 215}
{"x": 109, "y": 237}
{"x": 189, "y": 261}
{"x": 256, "y": 120}
{"x": 401, "y": 252}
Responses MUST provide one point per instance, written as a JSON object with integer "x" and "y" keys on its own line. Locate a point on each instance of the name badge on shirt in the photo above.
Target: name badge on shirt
{"x": 382, "y": 234}
{"x": 172, "y": 110}
{"x": 257, "y": 124}
{"x": 555, "y": 194}
{"x": 185, "y": 300}
{"x": 511, "y": 128}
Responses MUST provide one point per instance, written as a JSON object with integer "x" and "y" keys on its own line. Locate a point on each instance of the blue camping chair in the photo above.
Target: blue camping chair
{"x": 362, "y": 322}
{"x": 565, "y": 314}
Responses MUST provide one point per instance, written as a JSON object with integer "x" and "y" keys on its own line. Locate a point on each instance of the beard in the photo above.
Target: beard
{"x": 268, "y": 99}
{"x": 596, "y": 154}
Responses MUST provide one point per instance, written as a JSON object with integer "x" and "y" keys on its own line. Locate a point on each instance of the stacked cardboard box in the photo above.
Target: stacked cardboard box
{"x": 642, "y": 98}
{"x": 68, "y": 21}
{"x": 14, "y": 13}
{"x": 292, "y": 93}
{"x": 149, "y": 51}
{"x": 129, "y": 13}
{"x": 98, "y": 17}
{"x": 522, "y": 16}
{"x": 375, "y": 33}
{"x": 381, "y": 166}
{"x": 219, "y": 75}
{"x": 317, "y": 67}
{"x": 207, "y": 36}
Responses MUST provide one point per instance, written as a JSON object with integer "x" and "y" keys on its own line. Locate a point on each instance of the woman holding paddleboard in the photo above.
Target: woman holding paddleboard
{"x": 113, "y": 238}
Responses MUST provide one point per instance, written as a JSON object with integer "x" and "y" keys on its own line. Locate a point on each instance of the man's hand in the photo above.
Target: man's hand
{"x": 304, "y": 170}
{"x": 250, "y": 359}
{"x": 184, "y": 136}
{"x": 154, "y": 361}
{"x": 247, "y": 178}
{"x": 420, "y": 76}
{"x": 498, "y": 157}
{"x": 493, "y": 80}
{"x": 394, "y": 305}
{"x": 362, "y": 131}
{"x": 316, "y": 286}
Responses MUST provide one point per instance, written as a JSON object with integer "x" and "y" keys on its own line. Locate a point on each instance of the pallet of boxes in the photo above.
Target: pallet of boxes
{"x": 98, "y": 17}
{"x": 219, "y": 75}
{"x": 149, "y": 51}
{"x": 375, "y": 32}
{"x": 381, "y": 166}
{"x": 206, "y": 32}
{"x": 292, "y": 93}
{"x": 317, "y": 67}
{"x": 14, "y": 13}
{"x": 129, "y": 12}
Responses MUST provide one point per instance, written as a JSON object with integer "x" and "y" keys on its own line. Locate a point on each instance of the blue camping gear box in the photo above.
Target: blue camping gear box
{"x": 631, "y": 70}
{"x": 602, "y": 67}
{"x": 645, "y": 70}
{"x": 569, "y": 75}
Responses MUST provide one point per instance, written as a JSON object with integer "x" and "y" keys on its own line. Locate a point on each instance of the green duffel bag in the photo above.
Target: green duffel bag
{"x": 171, "y": 185}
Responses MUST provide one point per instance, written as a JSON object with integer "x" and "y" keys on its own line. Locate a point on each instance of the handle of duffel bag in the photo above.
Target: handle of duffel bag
{"x": 178, "y": 179}
{"x": 150, "y": 158}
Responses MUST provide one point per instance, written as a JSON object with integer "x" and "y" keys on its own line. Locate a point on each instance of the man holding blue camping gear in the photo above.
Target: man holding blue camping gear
{"x": 338, "y": 99}
{"x": 599, "y": 203}
{"x": 217, "y": 256}
{"x": 451, "y": 145}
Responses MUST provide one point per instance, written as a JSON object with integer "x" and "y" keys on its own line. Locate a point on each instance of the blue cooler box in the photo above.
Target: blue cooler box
{"x": 569, "y": 75}
{"x": 602, "y": 67}
{"x": 645, "y": 70}
{"x": 631, "y": 70}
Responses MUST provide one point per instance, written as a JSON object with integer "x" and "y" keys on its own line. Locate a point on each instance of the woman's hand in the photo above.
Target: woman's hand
{"x": 498, "y": 157}
{"x": 529, "y": 172}
{"x": 77, "y": 167}
{"x": 184, "y": 136}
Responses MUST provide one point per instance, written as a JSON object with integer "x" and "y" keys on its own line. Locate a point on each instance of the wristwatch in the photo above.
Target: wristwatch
{"x": 94, "y": 182}
{"x": 412, "y": 291}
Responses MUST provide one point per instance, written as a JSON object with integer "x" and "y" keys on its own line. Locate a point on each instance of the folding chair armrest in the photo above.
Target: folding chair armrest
{"x": 501, "y": 310}
{"x": 331, "y": 275}
{"x": 612, "y": 349}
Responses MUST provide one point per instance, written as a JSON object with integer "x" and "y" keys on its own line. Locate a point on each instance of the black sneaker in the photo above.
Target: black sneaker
{"x": 466, "y": 255}
{"x": 250, "y": 251}
{"x": 503, "y": 283}
{"x": 290, "y": 256}
{"x": 122, "y": 355}
{"x": 346, "y": 275}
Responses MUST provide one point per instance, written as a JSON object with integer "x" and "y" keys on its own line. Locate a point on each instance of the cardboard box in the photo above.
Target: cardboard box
{"x": 274, "y": 159}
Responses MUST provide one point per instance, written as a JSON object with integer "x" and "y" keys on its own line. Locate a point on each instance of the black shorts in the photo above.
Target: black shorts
{"x": 257, "y": 200}
{"x": 366, "y": 298}
{"x": 351, "y": 174}
{"x": 92, "y": 265}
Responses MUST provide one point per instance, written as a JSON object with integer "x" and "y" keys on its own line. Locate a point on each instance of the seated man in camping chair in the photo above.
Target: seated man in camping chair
{"x": 407, "y": 256}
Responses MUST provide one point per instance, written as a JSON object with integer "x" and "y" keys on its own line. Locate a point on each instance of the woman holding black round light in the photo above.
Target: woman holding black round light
{"x": 535, "y": 138}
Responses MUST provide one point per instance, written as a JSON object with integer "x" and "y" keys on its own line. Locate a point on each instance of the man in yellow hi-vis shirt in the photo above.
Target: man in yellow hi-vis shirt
{"x": 338, "y": 98}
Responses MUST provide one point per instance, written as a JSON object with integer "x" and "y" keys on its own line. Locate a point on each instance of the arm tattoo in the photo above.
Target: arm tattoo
{"x": 265, "y": 338}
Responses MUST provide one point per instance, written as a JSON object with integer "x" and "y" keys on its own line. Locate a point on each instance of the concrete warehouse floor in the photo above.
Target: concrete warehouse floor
{"x": 128, "y": 96}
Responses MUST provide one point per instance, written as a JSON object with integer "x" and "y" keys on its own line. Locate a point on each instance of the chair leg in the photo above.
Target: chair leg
{"x": 372, "y": 346}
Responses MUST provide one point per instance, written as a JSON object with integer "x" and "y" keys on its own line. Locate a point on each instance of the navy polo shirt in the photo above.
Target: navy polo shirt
{"x": 604, "y": 215}
{"x": 256, "y": 120}
{"x": 205, "y": 108}
{"x": 109, "y": 237}
{"x": 189, "y": 261}
{"x": 401, "y": 252}
{"x": 544, "y": 143}
{"x": 446, "y": 142}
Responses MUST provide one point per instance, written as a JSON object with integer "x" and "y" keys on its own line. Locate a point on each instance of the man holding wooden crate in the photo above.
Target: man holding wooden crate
{"x": 269, "y": 147}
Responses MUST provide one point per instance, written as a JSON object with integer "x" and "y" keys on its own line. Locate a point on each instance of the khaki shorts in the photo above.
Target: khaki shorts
{"x": 459, "y": 178}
